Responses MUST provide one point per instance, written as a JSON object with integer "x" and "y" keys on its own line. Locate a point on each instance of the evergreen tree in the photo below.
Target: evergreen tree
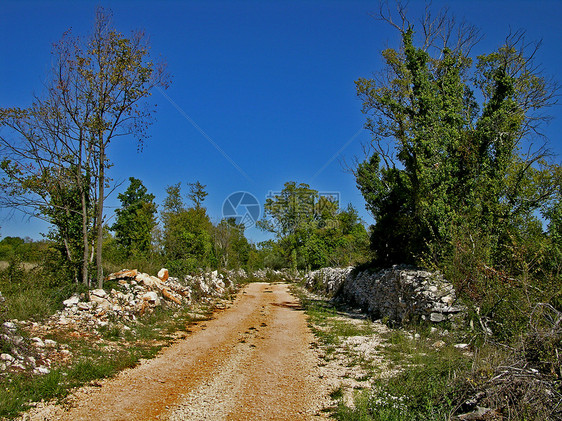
{"x": 135, "y": 219}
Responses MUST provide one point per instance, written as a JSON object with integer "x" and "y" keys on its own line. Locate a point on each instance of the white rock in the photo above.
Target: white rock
{"x": 84, "y": 306}
{"x": 11, "y": 326}
{"x": 461, "y": 346}
{"x": 152, "y": 298}
{"x": 42, "y": 370}
{"x": 71, "y": 301}
{"x": 49, "y": 343}
{"x": 98, "y": 293}
{"x": 6, "y": 357}
{"x": 149, "y": 281}
{"x": 100, "y": 301}
{"x": 447, "y": 299}
{"x": 38, "y": 342}
{"x": 163, "y": 274}
{"x": 437, "y": 317}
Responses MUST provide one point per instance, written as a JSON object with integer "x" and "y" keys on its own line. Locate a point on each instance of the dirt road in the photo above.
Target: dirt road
{"x": 252, "y": 362}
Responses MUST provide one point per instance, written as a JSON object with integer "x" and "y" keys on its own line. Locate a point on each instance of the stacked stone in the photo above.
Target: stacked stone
{"x": 327, "y": 281}
{"x": 138, "y": 293}
{"x": 398, "y": 294}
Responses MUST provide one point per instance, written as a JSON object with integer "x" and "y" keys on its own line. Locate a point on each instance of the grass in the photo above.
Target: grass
{"x": 421, "y": 375}
{"x": 327, "y": 320}
{"x": 428, "y": 382}
{"x": 98, "y": 355}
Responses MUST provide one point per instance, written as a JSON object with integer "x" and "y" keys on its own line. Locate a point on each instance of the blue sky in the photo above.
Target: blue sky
{"x": 270, "y": 82}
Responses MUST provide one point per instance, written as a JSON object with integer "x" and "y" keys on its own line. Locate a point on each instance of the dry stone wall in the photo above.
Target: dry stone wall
{"x": 398, "y": 294}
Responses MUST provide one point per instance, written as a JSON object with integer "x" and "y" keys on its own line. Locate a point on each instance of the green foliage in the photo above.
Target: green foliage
{"x": 32, "y": 292}
{"x": 25, "y": 249}
{"x": 135, "y": 219}
{"x": 455, "y": 168}
{"x": 187, "y": 236}
{"x": 311, "y": 231}
{"x": 231, "y": 247}
{"x": 197, "y": 194}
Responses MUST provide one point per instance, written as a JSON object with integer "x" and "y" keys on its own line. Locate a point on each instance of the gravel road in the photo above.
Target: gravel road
{"x": 253, "y": 361}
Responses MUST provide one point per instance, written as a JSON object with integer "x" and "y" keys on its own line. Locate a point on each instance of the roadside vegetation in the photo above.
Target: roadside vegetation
{"x": 458, "y": 179}
{"x": 93, "y": 356}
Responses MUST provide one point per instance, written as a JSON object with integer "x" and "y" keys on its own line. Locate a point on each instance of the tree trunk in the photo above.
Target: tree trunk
{"x": 99, "y": 221}
{"x": 85, "y": 277}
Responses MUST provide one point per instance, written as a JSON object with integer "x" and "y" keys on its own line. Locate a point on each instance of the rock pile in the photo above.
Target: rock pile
{"x": 27, "y": 354}
{"x": 398, "y": 294}
{"x": 133, "y": 294}
{"x": 137, "y": 294}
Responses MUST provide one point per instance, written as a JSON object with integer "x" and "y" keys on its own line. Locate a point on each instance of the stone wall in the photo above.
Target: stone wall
{"x": 399, "y": 294}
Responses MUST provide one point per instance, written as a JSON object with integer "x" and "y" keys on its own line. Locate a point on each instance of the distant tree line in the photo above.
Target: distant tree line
{"x": 311, "y": 232}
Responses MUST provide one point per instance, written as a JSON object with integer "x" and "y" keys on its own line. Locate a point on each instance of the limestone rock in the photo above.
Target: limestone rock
{"x": 99, "y": 301}
{"x": 398, "y": 294}
{"x": 49, "y": 343}
{"x": 163, "y": 274}
{"x": 71, "y": 301}
{"x": 148, "y": 280}
{"x": 122, "y": 274}
{"x": 98, "y": 293}
{"x": 6, "y": 357}
{"x": 437, "y": 317}
{"x": 11, "y": 326}
{"x": 38, "y": 342}
{"x": 152, "y": 298}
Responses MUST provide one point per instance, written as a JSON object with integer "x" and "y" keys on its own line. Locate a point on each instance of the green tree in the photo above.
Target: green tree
{"x": 135, "y": 219}
{"x": 311, "y": 230}
{"x": 287, "y": 211}
{"x": 197, "y": 194}
{"x": 187, "y": 235}
{"x": 231, "y": 247}
{"x": 459, "y": 163}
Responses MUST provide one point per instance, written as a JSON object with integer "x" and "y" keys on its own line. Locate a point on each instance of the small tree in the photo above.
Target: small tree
{"x": 187, "y": 233}
{"x": 197, "y": 194}
{"x": 136, "y": 218}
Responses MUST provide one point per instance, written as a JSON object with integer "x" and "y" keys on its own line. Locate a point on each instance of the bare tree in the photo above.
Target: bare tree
{"x": 96, "y": 95}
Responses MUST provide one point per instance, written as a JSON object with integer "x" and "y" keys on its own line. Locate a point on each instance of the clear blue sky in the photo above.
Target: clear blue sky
{"x": 270, "y": 82}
